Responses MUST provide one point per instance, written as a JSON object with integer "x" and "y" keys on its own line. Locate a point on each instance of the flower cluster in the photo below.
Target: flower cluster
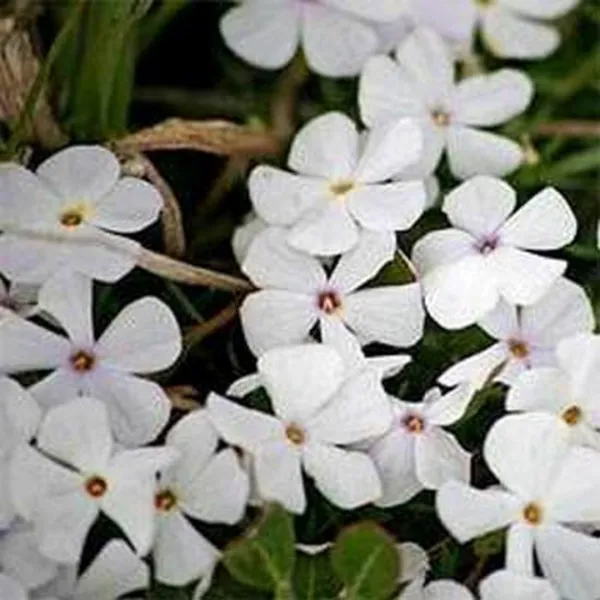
{"x": 87, "y": 433}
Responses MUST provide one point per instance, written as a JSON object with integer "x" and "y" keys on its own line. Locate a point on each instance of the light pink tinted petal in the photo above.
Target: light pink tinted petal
{"x": 181, "y": 553}
{"x": 131, "y": 205}
{"x": 477, "y": 368}
{"x": 301, "y": 379}
{"x": 579, "y": 356}
{"x": 502, "y": 323}
{"x": 326, "y": 147}
{"x": 469, "y": 513}
{"x": 60, "y": 386}
{"x": 441, "y": 247}
{"x": 346, "y": 478}
{"x": 520, "y": 587}
{"x": 523, "y": 451}
{"x": 143, "y": 338}
{"x": 272, "y": 318}
{"x": 450, "y": 407}
{"x": 569, "y": 559}
{"x": 546, "y": 222}
{"x": 335, "y": 44}
{"x": 523, "y": 278}
{"x": 389, "y": 314}
{"x": 386, "y": 93}
{"x": 265, "y": 34}
{"x": 359, "y": 410}
{"x": 272, "y": 263}
{"x": 138, "y": 409}
{"x": 376, "y": 10}
{"x": 68, "y": 298}
{"x": 544, "y": 389}
{"x": 508, "y": 35}
{"x": 281, "y": 198}
{"x": 81, "y": 173}
{"x": 241, "y": 426}
{"x": 455, "y": 21}
{"x": 480, "y": 205}
{"x": 473, "y": 152}
{"x": 489, "y": 100}
{"x": 25, "y": 346}
{"x": 564, "y": 311}
{"x": 388, "y": 207}
{"x": 388, "y": 149}
{"x": 363, "y": 262}
{"x": 459, "y": 294}
{"x": 519, "y": 548}
{"x": 325, "y": 232}
{"x": 279, "y": 475}
{"x": 440, "y": 458}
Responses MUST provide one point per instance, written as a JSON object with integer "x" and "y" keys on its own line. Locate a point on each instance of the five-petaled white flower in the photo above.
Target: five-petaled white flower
{"x": 485, "y": 256}
{"x": 60, "y": 216}
{"x": 570, "y": 391}
{"x": 416, "y": 453}
{"x": 335, "y": 36}
{"x": 527, "y": 336}
{"x": 74, "y": 473}
{"x": 420, "y": 85}
{"x": 342, "y": 186}
{"x": 546, "y": 485}
{"x": 298, "y": 294}
{"x": 143, "y": 338}
{"x": 204, "y": 484}
{"x": 318, "y": 414}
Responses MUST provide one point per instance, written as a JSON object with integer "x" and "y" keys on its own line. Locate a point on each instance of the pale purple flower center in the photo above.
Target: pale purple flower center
{"x": 487, "y": 244}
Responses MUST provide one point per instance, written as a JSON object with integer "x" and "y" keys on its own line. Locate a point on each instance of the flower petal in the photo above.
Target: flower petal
{"x": 541, "y": 9}
{"x": 519, "y": 587}
{"x": 446, "y": 589}
{"x": 544, "y": 389}
{"x": 519, "y": 548}
{"x": 449, "y": 408}
{"x": 441, "y": 247}
{"x": 477, "y": 368}
{"x": 579, "y": 356}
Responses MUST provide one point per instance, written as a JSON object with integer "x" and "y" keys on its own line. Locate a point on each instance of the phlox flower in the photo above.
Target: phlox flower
{"x": 204, "y": 484}
{"x": 420, "y": 84}
{"x": 416, "y": 453}
{"x": 341, "y": 184}
{"x": 143, "y": 338}
{"x": 19, "y": 298}
{"x": 318, "y": 413}
{"x": 546, "y": 485}
{"x": 570, "y": 391}
{"x": 74, "y": 473}
{"x": 297, "y": 294}
{"x": 486, "y": 255}
{"x": 527, "y": 336}
{"x": 61, "y": 216}
{"x": 506, "y": 584}
{"x": 244, "y": 235}
{"x": 334, "y": 38}
{"x": 442, "y": 589}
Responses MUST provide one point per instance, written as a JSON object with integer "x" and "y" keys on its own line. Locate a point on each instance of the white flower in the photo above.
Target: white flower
{"x": 11, "y": 589}
{"x": 298, "y": 294}
{"x": 74, "y": 473}
{"x": 442, "y": 589}
{"x": 143, "y": 338}
{"x": 19, "y": 420}
{"x": 342, "y": 184}
{"x": 416, "y": 453}
{"x": 546, "y": 485}
{"x": 504, "y": 584}
{"x": 414, "y": 562}
{"x": 18, "y": 298}
{"x": 334, "y": 39}
{"x": 420, "y": 85}
{"x": 244, "y": 235}
{"x": 204, "y": 484}
{"x": 485, "y": 256}
{"x": 317, "y": 415}
{"x": 60, "y": 217}
{"x": 571, "y": 392}
{"x": 527, "y": 336}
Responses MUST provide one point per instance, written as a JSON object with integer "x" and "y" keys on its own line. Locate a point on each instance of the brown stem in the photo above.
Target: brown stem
{"x": 198, "y": 332}
{"x": 568, "y": 129}
{"x": 475, "y": 575}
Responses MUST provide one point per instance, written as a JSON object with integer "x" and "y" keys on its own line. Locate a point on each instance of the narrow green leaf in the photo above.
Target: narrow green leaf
{"x": 366, "y": 560}
{"x": 264, "y": 557}
{"x": 314, "y": 579}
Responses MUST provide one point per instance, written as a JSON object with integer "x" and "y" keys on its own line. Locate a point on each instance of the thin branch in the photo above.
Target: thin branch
{"x": 568, "y": 129}
{"x": 198, "y": 332}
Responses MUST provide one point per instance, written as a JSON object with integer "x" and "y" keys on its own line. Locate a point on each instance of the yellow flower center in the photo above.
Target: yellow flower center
{"x": 518, "y": 348}
{"x": 96, "y": 486}
{"x": 82, "y": 361}
{"x": 295, "y": 434}
{"x": 440, "y": 118}
{"x": 414, "y": 424}
{"x": 341, "y": 188}
{"x": 572, "y": 415}
{"x": 165, "y": 500}
{"x": 73, "y": 216}
{"x": 533, "y": 513}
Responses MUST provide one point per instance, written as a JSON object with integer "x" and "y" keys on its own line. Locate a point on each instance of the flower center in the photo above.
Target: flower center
{"x": 572, "y": 415}
{"x": 341, "y": 188}
{"x": 440, "y": 118}
{"x": 533, "y": 513}
{"x": 165, "y": 500}
{"x": 96, "y": 486}
{"x": 414, "y": 424}
{"x": 329, "y": 302}
{"x": 72, "y": 217}
{"x": 484, "y": 2}
{"x": 518, "y": 348}
{"x": 488, "y": 244}
{"x": 82, "y": 361}
{"x": 295, "y": 434}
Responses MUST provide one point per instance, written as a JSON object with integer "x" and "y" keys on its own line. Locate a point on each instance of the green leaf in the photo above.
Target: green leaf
{"x": 314, "y": 579}
{"x": 366, "y": 560}
{"x": 264, "y": 557}
{"x": 490, "y": 544}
